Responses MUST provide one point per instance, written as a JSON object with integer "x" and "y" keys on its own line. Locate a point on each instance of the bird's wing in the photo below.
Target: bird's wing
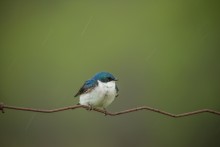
{"x": 117, "y": 90}
{"x": 87, "y": 86}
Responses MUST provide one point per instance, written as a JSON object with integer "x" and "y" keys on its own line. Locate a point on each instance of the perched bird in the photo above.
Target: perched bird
{"x": 99, "y": 91}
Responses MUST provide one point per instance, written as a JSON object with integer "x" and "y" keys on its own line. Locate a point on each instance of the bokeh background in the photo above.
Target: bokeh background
{"x": 164, "y": 53}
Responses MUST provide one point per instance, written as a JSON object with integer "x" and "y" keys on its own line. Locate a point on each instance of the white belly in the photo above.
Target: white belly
{"x": 101, "y": 96}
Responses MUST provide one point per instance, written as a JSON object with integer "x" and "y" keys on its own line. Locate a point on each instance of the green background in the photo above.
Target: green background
{"x": 164, "y": 53}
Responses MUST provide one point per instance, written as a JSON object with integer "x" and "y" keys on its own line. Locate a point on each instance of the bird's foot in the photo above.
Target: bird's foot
{"x": 105, "y": 112}
{"x": 90, "y": 108}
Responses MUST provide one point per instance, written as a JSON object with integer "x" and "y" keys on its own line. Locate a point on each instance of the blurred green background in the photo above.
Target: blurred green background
{"x": 164, "y": 53}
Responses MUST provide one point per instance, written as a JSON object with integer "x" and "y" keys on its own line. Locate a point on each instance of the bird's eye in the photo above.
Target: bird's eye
{"x": 109, "y": 78}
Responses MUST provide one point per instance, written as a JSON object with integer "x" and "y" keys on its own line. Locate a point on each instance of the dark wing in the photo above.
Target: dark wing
{"x": 87, "y": 86}
{"x": 117, "y": 90}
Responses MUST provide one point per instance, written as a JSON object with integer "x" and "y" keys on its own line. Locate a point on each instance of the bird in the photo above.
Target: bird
{"x": 99, "y": 91}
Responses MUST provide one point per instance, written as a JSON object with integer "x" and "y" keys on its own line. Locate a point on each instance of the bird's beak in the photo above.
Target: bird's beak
{"x": 116, "y": 80}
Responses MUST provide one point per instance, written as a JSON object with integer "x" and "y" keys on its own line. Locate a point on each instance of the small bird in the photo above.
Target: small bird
{"x": 99, "y": 91}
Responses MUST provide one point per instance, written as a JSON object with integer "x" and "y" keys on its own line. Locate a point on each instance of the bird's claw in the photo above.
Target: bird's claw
{"x": 90, "y": 108}
{"x": 105, "y": 112}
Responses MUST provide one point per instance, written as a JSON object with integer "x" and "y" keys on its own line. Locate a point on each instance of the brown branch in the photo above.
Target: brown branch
{"x": 2, "y": 107}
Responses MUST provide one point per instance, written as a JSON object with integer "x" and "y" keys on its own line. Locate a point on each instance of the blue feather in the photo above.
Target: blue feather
{"x": 87, "y": 86}
{"x": 93, "y": 82}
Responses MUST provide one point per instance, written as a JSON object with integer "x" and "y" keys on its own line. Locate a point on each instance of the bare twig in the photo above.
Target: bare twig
{"x": 2, "y": 107}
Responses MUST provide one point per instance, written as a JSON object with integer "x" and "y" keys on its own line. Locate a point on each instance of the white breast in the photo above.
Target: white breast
{"x": 101, "y": 96}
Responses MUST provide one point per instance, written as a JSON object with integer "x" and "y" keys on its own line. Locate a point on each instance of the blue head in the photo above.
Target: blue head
{"x": 104, "y": 77}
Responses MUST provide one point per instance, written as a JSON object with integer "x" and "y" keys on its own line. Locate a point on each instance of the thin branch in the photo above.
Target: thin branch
{"x": 2, "y": 107}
